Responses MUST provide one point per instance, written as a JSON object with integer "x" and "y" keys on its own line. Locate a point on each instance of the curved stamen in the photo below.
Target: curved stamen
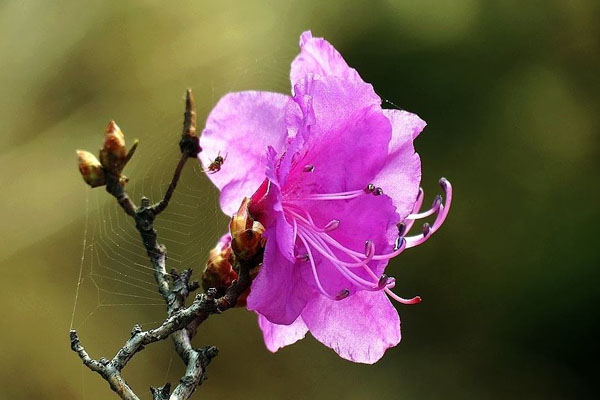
{"x": 414, "y": 300}
{"x": 334, "y": 196}
{"x": 435, "y": 206}
{"x": 340, "y": 265}
{"x": 416, "y": 208}
{"x": 383, "y": 283}
{"x": 314, "y": 270}
{"x": 331, "y": 225}
{"x": 369, "y": 251}
{"x": 398, "y": 249}
{"x": 428, "y": 230}
{"x": 387, "y": 284}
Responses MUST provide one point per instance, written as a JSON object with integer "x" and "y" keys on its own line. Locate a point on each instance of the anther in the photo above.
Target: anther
{"x": 383, "y": 281}
{"x": 370, "y": 188}
{"x": 399, "y": 242}
{"x": 401, "y": 229}
{"x": 308, "y": 168}
{"x": 369, "y": 249}
{"x": 331, "y": 225}
{"x": 302, "y": 257}
{"x": 426, "y": 229}
{"x": 342, "y": 295}
{"x": 378, "y": 191}
{"x": 443, "y": 183}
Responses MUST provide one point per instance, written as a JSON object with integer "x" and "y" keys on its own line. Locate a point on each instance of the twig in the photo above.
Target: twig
{"x": 181, "y": 323}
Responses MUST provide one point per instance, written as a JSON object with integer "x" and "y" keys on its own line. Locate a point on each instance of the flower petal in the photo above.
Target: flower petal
{"x": 278, "y": 292}
{"x": 359, "y": 328}
{"x": 347, "y": 143}
{"x": 318, "y": 57}
{"x": 278, "y": 336}
{"x": 240, "y": 128}
{"x": 401, "y": 175}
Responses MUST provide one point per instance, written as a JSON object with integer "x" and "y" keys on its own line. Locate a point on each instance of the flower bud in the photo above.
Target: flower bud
{"x": 90, "y": 168}
{"x": 246, "y": 233}
{"x": 218, "y": 272}
{"x": 113, "y": 154}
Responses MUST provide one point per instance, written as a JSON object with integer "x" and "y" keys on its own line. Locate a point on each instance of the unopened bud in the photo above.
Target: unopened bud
{"x": 90, "y": 168}
{"x": 113, "y": 153}
{"x": 246, "y": 233}
{"x": 218, "y": 272}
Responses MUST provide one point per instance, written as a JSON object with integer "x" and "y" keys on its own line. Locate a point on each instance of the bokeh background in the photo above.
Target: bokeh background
{"x": 510, "y": 91}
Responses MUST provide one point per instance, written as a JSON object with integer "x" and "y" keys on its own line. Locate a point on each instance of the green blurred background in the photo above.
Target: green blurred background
{"x": 509, "y": 89}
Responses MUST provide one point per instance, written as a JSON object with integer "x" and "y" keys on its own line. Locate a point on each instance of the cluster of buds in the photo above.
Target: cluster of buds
{"x": 244, "y": 243}
{"x": 113, "y": 158}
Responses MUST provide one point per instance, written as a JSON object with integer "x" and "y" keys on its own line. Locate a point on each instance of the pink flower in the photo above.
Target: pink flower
{"x": 333, "y": 177}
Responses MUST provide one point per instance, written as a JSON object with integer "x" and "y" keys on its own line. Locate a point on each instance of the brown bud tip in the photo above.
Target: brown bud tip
{"x": 113, "y": 153}
{"x": 218, "y": 272}
{"x": 90, "y": 168}
{"x": 246, "y": 233}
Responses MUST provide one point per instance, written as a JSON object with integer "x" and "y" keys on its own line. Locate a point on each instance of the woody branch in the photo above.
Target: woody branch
{"x": 175, "y": 287}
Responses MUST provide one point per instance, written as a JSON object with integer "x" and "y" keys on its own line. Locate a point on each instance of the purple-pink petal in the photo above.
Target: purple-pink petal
{"x": 401, "y": 175}
{"x": 240, "y": 128}
{"x": 318, "y": 57}
{"x": 347, "y": 144}
{"x": 278, "y": 336}
{"x": 278, "y": 292}
{"x": 360, "y": 328}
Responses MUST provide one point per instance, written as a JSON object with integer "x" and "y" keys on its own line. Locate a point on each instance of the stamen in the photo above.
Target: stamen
{"x": 369, "y": 249}
{"x": 397, "y": 250}
{"x": 334, "y": 196}
{"x": 370, "y": 188}
{"x": 332, "y": 225}
{"x": 302, "y": 257}
{"x": 416, "y": 208}
{"x": 401, "y": 229}
{"x": 383, "y": 281}
{"x": 341, "y": 266}
{"x": 435, "y": 206}
{"x": 391, "y": 282}
{"x": 378, "y": 191}
{"x": 428, "y": 230}
{"x": 308, "y": 168}
{"x": 314, "y": 271}
{"x": 399, "y": 243}
{"x": 414, "y": 300}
